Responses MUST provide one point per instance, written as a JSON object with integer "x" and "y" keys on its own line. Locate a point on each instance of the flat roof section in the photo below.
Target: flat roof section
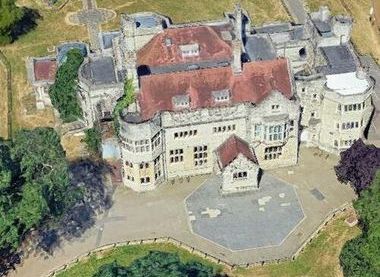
{"x": 100, "y": 71}
{"x": 146, "y": 21}
{"x": 339, "y": 59}
{"x": 45, "y": 69}
{"x": 259, "y": 48}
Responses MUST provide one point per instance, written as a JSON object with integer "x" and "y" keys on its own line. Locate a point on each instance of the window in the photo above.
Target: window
{"x": 258, "y": 130}
{"x": 354, "y": 107}
{"x": 312, "y": 114}
{"x": 189, "y": 50}
{"x": 303, "y": 89}
{"x": 129, "y": 164}
{"x": 176, "y": 156}
{"x": 226, "y": 128}
{"x": 240, "y": 175}
{"x": 314, "y": 96}
{"x": 185, "y": 134}
{"x": 273, "y": 152}
{"x": 221, "y": 96}
{"x": 302, "y": 52}
{"x": 144, "y": 165}
{"x": 200, "y": 155}
{"x": 157, "y": 167}
{"x": 275, "y": 107}
{"x": 350, "y": 125}
{"x": 275, "y": 132}
{"x": 156, "y": 141}
{"x": 144, "y": 180}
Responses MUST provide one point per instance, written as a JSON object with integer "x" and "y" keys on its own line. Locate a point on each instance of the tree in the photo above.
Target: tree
{"x": 111, "y": 270}
{"x": 157, "y": 264}
{"x": 63, "y": 92}
{"x": 92, "y": 139}
{"x": 358, "y": 165}
{"x": 361, "y": 256}
{"x": 10, "y": 15}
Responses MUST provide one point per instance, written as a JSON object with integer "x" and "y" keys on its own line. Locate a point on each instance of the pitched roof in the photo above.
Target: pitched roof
{"x": 211, "y": 46}
{"x": 230, "y": 150}
{"x": 44, "y": 70}
{"x": 256, "y": 82}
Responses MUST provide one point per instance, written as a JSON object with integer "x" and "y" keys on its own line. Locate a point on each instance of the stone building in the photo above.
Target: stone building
{"x": 225, "y": 84}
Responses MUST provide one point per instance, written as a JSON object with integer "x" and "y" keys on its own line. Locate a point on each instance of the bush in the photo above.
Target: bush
{"x": 157, "y": 264}
{"x": 63, "y": 93}
{"x": 93, "y": 139}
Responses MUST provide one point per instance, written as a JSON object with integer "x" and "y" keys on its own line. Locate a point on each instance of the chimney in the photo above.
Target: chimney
{"x": 238, "y": 15}
{"x": 236, "y": 58}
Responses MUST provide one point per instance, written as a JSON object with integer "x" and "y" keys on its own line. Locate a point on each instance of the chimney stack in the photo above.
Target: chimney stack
{"x": 236, "y": 58}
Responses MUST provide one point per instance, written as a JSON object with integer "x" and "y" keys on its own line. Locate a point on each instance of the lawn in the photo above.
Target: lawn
{"x": 320, "y": 257}
{"x": 126, "y": 255}
{"x": 364, "y": 36}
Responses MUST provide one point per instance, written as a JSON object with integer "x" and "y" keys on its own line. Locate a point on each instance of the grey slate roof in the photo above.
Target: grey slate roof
{"x": 339, "y": 60}
{"x": 100, "y": 71}
{"x": 274, "y": 28}
{"x": 259, "y": 48}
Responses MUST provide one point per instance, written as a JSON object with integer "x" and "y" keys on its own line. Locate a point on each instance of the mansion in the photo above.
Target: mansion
{"x": 226, "y": 97}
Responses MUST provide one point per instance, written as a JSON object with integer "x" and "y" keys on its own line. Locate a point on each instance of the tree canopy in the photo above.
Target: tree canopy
{"x": 34, "y": 183}
{"x": 63, "y": 92}
{"x": 360, "y": 257}
{"x": 358, "y": 165}
{"x": 10, "y": 15}
{"x": 157, "y": 264}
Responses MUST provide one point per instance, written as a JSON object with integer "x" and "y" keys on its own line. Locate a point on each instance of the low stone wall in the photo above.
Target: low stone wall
{"x": 200, "y": 253}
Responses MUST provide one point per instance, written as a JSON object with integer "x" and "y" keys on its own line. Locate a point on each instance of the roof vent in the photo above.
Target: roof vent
{"x": 168, "y": 42}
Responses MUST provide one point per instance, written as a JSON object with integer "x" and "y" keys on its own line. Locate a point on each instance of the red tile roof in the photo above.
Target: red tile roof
{"x": 256, "y": 82}
{"x": 44, "y": 70}
{"x": 231, "y": 148}
{"x": 209, "y": 39}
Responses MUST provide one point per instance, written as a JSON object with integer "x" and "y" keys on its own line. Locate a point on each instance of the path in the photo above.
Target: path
{"x": 7, "y": 67}
{"x": 296, "y": 10}
{"x": 92, "y": 17}
{"x": 162, "y": 213}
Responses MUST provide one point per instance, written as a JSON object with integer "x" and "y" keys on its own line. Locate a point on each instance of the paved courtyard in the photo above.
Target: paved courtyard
{"x": 162, "y": 213}
{"x": 261, "y": 218}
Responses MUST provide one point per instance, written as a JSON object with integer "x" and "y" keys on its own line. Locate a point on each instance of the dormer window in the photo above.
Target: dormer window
{"x": 168, "y": 42}
{"x": 221, "y": 96}
{"x": 181, "y": 101}
{"x": 189, "y": 50}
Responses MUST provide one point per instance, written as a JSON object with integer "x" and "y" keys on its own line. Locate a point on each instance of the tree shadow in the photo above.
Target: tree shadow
{"x": 27, "y": 23}
{"x": 94, "y": 199}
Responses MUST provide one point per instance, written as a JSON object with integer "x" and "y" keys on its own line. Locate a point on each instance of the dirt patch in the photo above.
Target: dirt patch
{"x": 3, "y": 103}
{"x": 73, "y": 146}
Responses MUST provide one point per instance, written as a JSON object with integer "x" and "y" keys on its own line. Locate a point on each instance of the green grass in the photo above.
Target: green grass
{"x": 319, "y": 259}
{"x": 125, "y": 255}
